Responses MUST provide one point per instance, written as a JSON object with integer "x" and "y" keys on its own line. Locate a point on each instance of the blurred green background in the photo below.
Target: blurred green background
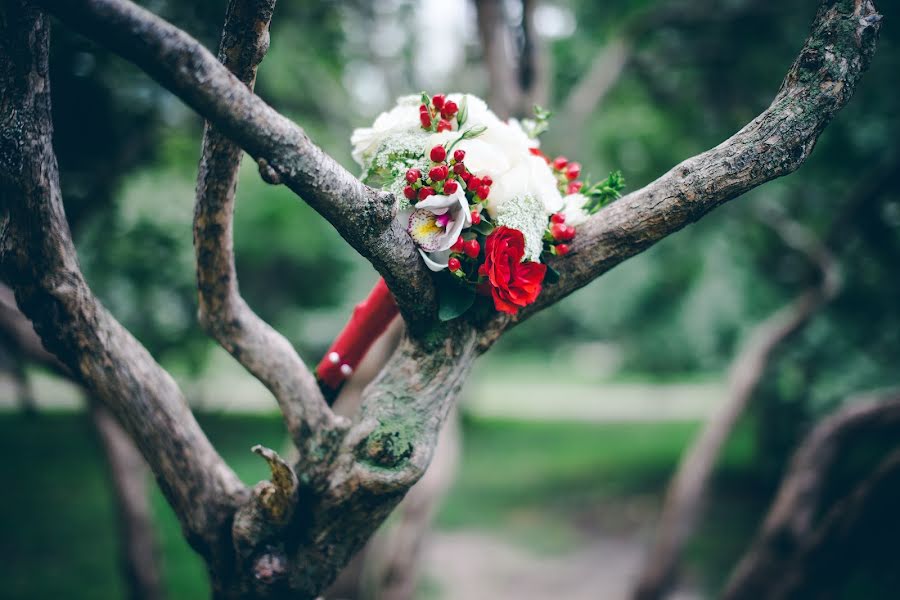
{"x": 633, "y": 362}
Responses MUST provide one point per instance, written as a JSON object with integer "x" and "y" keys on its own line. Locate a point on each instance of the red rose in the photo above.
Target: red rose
{"x": 514, "y": 284}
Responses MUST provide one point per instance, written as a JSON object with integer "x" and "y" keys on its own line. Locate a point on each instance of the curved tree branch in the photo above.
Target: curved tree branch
{"x": 818, "y": 84}
{"x": 223, "y": 312}
{"x": 686, "y": 492}
{"x": 38, "y": 260}
{"x": 789, "y": 529}
{"x": 363, "y": 216}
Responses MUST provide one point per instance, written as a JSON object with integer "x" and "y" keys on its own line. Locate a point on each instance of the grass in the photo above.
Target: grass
{"x": 544, "y": 485}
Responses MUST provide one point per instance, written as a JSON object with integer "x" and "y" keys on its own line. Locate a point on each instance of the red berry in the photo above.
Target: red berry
{"x": 409, "y": 192}
{"x": 574, "y": 187}
{"x": 413, "y": 175}
{"x": 450, "y": 187}
{"x": 453, "y": 264}
{"x": 558, "y": 218}
{"x": 562, "y": 249}
{"x": 438, "y": 173}
{"x": 534, "y": 151}
{"x": 457, "y": 245}
{"x": 486, "y": 180}
{"x": 425, "y": 120}
{"x": 423, "y": 109}
{"x": 476, "y": 217}
{"x": 483, "y": 192}
{"x": 444, "y": 125}
{"x": 438, "y": 101}
{"x": 467, "y": 177}
{"x": 425, "y": 192}
{"x": 459, "y": 168}
{"x": 474, "y": 182}
{"x": 449, "y": 109}
{"x": 562, "y": 232}
{"x": 560, "y": 162}
{"x": 482, "y": 270}
{"x": 573, "y": 170}
{"x": 438, "y": 154}
{"x": 472, "y": 248}
{"x": 459, "y": 155}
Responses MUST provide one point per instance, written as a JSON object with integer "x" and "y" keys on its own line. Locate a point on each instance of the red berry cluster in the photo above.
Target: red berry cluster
{"x": 436, "y": 115}
{"x": 444, "y": 177}
{"x": 560, "y": 234}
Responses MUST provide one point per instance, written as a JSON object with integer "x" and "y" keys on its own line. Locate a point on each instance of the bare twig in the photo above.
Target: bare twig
{"x": 789, "y": 529}
{"x": 686, "y": 492}
{"x": 39, "y": 262}
{"x": 223, "y": 312}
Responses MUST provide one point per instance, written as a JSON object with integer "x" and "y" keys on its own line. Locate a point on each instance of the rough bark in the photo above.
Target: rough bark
{"x": 291, "y": 535}
{"x": 687, "y": 491}
{"x": 39, "y": 262}
{"x": 792, "y": 539}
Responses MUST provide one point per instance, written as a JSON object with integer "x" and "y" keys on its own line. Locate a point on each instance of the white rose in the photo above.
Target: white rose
{"x": 401, "y": 118}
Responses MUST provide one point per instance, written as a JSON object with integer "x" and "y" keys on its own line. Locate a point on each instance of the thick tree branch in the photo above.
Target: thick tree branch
{"x": 39, "y": 262}
{"x": 363, "y": 216}
{"x": 687, "y": 490}
{"x": 223, "y": 312}
{"x": 792, "y": 519}
{"x": 818, "y": 84}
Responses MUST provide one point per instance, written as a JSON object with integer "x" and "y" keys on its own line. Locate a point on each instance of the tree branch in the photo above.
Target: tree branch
{"x": 687, "y": 490}
{"x": 223, "y": 312}
{"x": 363, "y": 216}
{"x": 818, "y": 84}
{"x": 792, "y": 518}
{"x": 38, "y": 259}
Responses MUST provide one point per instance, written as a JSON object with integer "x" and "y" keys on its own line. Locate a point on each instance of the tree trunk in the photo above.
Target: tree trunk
{"x": 138, "y": 551}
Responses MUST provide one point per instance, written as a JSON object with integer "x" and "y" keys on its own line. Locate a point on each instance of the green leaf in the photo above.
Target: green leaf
{"x": 484, "y": 228}
{"x": 426, "y": 100}
{"x": 453, "y": 299}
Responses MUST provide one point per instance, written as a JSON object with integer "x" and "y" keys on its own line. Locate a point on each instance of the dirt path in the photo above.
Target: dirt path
{"x": 470, "y": 565}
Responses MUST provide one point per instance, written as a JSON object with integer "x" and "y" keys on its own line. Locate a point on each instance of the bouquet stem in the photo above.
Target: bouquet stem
{"x": 369, "y": 320}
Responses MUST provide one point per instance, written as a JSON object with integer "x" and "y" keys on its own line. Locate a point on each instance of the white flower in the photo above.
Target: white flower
{"x": 573, "y": 209}
{"x": 402, "y": 118}
{"x": 438, "y": 221}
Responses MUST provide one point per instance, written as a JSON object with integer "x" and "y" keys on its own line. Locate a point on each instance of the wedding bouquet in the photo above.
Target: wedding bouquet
{"x": 483, "y": 204}
{"x": 480, "y": 199}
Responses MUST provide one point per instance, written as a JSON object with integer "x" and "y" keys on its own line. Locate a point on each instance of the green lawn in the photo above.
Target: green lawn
{"x": 544, "y": 485}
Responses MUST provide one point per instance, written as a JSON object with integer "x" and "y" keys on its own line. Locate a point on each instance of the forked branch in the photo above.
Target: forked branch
{"x": 789, "y": 531}
{"x": 363, "y": 216}
{"x": 223, "y": 312}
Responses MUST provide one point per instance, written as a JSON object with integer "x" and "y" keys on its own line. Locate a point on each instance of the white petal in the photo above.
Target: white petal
{"x": 433, "y": 264}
